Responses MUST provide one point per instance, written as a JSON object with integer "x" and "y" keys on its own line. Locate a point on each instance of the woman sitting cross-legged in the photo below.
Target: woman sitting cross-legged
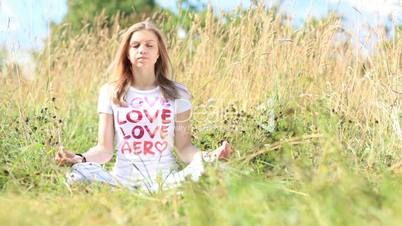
{"x": 147, "y": 115}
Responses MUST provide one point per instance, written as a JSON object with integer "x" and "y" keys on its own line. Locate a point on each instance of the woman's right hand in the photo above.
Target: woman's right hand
{"x": 65, "y": 157}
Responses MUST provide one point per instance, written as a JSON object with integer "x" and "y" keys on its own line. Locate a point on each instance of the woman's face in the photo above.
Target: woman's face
{"x": 143, "y": 49}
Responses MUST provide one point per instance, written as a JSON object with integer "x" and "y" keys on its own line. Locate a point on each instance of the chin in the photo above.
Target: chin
{"x": 142, "y": 65}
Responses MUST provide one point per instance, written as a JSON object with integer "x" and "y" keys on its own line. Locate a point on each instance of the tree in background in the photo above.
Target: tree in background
{"x": 83, "y": 12}
{"x": 85, "y": 16}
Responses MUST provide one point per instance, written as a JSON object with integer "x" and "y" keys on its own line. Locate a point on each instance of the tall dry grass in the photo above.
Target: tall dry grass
{"x": 251, "y": 56}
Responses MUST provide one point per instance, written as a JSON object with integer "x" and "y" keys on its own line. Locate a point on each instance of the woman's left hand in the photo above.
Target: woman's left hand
{"x": 223, "y": 152}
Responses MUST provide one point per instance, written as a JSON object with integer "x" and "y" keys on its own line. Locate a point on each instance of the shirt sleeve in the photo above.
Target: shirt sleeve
{"x": 183, "y": 103}
{"x": 104, "y": 100}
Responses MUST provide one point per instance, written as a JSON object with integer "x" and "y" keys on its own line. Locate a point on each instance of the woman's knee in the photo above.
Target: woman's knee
{"x": 87, "y": 172}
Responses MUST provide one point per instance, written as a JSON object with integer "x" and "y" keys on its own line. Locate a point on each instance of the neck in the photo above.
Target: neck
{"x": 144, "y": 78}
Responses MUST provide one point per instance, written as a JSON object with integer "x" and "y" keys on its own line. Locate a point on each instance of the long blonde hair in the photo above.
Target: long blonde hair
{"x": 123, "y": 76}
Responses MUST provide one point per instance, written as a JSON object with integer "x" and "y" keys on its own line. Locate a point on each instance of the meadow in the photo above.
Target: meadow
{"x": 314, "y": 123}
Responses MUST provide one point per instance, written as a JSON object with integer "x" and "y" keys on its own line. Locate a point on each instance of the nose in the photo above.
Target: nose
{"x": 141, "y": 49}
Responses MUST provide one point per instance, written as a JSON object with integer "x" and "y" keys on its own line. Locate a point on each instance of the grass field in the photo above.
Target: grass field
{"x": 315, "y": 126}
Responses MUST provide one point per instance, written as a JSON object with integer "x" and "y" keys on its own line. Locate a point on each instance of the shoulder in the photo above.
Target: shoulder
{"x": 106, "y": 86}
{"x": 182, "y": 90}
{"x": 106, "y": 91}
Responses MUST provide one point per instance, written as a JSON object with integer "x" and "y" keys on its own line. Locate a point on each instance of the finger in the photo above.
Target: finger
{"x": 227, "y": 150}
{"x": 222, "y": 149}
{"x": 68, "y": 162}
{"x": 61, "y": 148}
{"x": 57, "y": 157}
{"x": 64, "y": 154}
{"x": 61, "y": 158}
{"x": 63, "y": 162}
{"x": 59, "y": 162}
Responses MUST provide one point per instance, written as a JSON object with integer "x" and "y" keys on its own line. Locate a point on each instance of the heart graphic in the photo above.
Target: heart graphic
{"x": 161, "y": 146}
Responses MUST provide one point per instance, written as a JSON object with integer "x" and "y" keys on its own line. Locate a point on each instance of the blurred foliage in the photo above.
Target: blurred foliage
{"x": 3, "y": 55}
{"x": 82, "y": 12}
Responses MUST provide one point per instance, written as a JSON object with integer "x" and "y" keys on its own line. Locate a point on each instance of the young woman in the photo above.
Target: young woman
{"x": 147, "y": 115}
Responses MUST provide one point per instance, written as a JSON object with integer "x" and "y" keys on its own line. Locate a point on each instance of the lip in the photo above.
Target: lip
{"x": 142, "y": 58}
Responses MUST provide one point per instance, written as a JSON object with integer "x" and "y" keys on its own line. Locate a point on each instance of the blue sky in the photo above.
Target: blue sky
{"x": 24, "y": 23}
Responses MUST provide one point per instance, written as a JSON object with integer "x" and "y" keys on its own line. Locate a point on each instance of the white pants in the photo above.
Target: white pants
{"x": 94, "y": 172}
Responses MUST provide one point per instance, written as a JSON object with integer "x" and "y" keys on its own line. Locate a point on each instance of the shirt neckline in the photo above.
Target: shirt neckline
{"x": 144, "y": 90}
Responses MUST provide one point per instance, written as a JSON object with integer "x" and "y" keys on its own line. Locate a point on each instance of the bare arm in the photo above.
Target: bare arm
{"x": 182, "y": 137}
{"x": 103, "y": 151}
{"x": 185, "y": 149}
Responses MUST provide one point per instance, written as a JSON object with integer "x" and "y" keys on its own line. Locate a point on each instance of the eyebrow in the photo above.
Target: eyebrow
{"x": 151, "y": 40}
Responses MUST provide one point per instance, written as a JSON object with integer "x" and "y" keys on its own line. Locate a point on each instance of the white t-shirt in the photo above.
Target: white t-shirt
{"x": 144, "y": 132}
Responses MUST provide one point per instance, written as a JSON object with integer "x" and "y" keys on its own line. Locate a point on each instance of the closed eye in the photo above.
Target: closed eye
{"x": 136, "y": 46}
